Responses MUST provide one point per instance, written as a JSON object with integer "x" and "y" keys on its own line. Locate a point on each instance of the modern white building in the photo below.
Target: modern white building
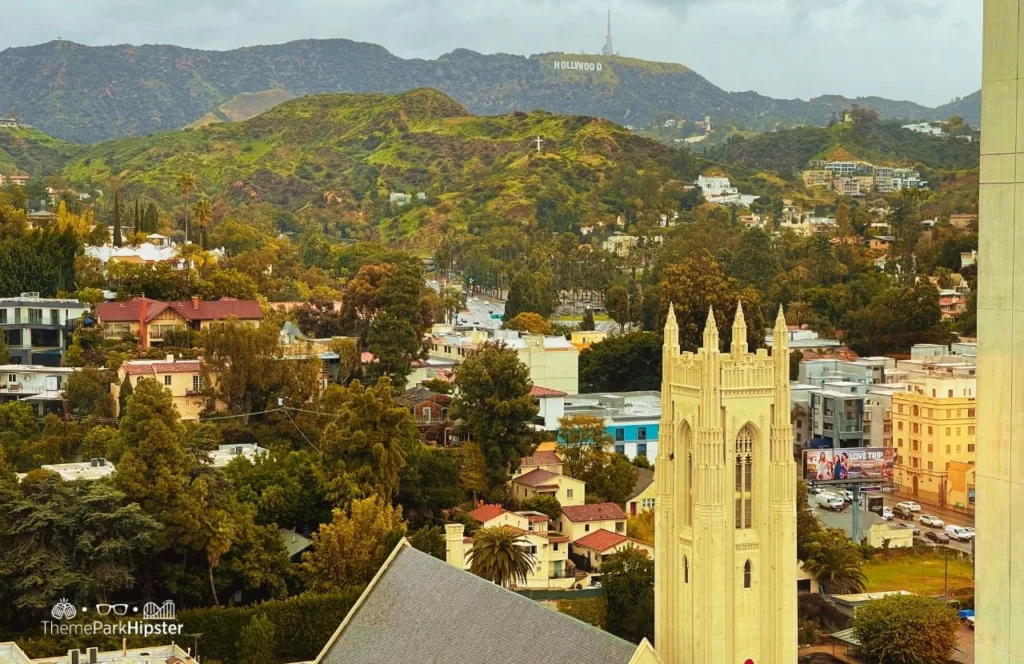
{"x": 924, "y": 128}
{"x": 225, "y": 454}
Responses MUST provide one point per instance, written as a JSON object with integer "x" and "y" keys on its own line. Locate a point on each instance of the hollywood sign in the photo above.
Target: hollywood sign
{"x": 578, "y": 66}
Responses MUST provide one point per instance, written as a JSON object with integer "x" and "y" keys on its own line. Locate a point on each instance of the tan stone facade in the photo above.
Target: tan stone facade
{"x": 725, "y": 524}
{"x": 999, "y": 568}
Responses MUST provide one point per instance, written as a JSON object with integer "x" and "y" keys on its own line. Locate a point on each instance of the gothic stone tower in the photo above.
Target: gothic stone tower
{"x": 725, "y": 554}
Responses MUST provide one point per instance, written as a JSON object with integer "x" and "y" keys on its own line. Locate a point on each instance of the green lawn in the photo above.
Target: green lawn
{"x": 917, "y": 572}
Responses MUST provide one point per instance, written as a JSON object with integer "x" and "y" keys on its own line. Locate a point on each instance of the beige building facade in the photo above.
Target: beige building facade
{"x": 999, "y": 571}
{"x": 182, "y": 378}
{"x": 725, "y": 515}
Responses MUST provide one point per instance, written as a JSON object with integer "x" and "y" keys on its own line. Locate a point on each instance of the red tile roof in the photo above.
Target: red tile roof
{"x": 602, "y": 540}
{"x": 536, "y": 477}
{"x": 538, "y": 391}
{"x": 541, "y": 459}
{"x": 143, "y": 368}
{"x": 601, "y": 512}
{"x": 124, "y": 312}
{"x": 485, "y": 513}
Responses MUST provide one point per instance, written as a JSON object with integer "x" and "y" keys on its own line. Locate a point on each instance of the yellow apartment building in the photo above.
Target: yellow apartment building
{"x": 934, "y": 436}
{"x": 182, "y": 378}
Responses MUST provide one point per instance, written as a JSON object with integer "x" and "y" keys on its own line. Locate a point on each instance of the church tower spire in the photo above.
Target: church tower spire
{"x": 739, "y": 333}
{"x": 711, "y": 331}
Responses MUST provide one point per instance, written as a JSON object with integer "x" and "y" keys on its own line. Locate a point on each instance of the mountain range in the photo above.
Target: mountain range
{"x": 87, "y": 94}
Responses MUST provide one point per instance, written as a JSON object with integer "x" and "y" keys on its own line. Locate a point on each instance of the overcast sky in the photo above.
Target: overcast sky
{"x": 927, "y": 51}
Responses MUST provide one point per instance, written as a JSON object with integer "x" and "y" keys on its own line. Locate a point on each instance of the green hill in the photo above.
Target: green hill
{"x": 89, "y": 94}
{"x": 28, "y": 150}
{"x": 336, "y": 158}
{"x": 882, "y": 143}
{"x": 243, "y": 107}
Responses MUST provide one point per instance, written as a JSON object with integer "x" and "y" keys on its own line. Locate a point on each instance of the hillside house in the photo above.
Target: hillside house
{"x": 590, "y": 550}
{"x": 183, "y": 378}
{"x": 43, "y": 387}
{"x": 642, "y": 497}
{"x": 430, "y": 412}
{"x": 38, "y": 329}
{"x": 543, "y": 460}
{"x": 579, "y": 520}
{"x": 150, "y": 320}
{"x": 538, "y": 482}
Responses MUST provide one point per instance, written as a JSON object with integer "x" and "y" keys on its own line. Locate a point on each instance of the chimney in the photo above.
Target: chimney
{"x": 94, "y": 462}
{"x": 195, "y": 302}
{"x": 170, "y": 357}
{"x": 73, "y": 656}
{"x": 454, "y": 546}
{"x": 93, "y": 655}
{"x": 143, "y": 323}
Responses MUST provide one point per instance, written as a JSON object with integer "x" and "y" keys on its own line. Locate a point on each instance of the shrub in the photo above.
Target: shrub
{"x": 593, "y": 610}
{"x": 301, "y": 625}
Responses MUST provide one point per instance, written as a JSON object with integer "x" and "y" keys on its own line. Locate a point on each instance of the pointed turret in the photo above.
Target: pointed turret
{"x": 739, "y": 333}
{"x": 671, "y": 330}
{"x": 711, "y": 331}
{"x": 781, "y": 332}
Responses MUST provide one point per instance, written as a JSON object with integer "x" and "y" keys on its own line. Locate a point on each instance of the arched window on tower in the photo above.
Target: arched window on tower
{"x": 687, "y": 457}
{"x": 748, "y": 570}
{"x": 744, "y": 485}
{"x": 686, "y": 569}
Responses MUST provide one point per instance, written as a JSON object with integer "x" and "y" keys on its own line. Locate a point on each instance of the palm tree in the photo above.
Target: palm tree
{"x": 186, "y": 185}
{"x": 201, "y": 213}
{"x": 836, "y": 563}
{"x": 499, "y": 555}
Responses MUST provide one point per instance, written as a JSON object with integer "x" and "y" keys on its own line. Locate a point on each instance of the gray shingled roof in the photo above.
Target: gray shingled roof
{"x": 644, "y": 478}
{"x": 423, "y": 610}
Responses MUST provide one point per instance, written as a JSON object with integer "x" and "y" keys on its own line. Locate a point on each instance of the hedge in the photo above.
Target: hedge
{"x": 593, "y": 610}
{"x": 302, "y": 625}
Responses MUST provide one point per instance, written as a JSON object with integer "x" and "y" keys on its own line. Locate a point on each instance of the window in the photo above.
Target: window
{"x": 647, "y": 503}
{"x": 641, "y": 449}
{"x": 12, "y": 378}
{"x": 3, "y": 317}
{"x": 748, "y": 570}
{"x": 930, "y": 432}
{"x": 425, "y": 413}
{"x": 950, "y": 393}
{"x": 900, "y": 425}
{"x": 930, "y": 466}
{"x": 568, "y": 493}
{"x": 686, "y": 569}
{"x": 917, "y": 428}
{"x": 900, "y": 441}
{"x": 54, "y": 316}
{"x": 620, "y": 434}
{"x": 958, "y": 449}
{"x": 948, "y": 450}
{"x": 620, "y": 526}
{"x": 641, "y": 433}
{"x": 970, "y": 412}
{"x": 917, "y": 412}
{"x": 554, "y": 546}
{"x": 743, "y": 489}
{"x": 799, "y": 423}
{"x": 620, "y": 449}
{"x": 901, "y": 409}
{"x": 970, "y": 448}
{"x": 167, "y": 380}
{"x": 959, "y": 431}
{"x": 197, "y": 383}
{"x": 948, "y": 431}
{"x": 586, "y": 527}
{"x": 915, "y": 462}
{"x": 970, "y": 431}
{"x": 930, "y": 448}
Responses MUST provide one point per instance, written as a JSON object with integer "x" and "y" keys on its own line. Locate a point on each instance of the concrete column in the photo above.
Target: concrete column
{"x": 999, "y": 579}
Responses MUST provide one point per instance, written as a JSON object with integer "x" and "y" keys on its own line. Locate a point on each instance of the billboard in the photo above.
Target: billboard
{"x": 844, "y": 465}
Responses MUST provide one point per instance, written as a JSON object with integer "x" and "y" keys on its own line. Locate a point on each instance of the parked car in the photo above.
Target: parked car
{"x": 813, "y": 490}
{"x": 910, "y": 505}
{"x": 968, "y": 530}
{"x": 937, "y": 537}
{"x": 931, "y": 521}
{"x": 901, "y": 512}
{"x": 911, "y": 527}
{"x": 959, "y": 533}
{"x": 886, "y": 514}
{"x": 829, "y": 501}
{"x": 847, "y": 495}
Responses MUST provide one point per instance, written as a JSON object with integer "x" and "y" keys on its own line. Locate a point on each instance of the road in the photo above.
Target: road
{"x": 844, "y": 520}
{"x": 479, "y": 309}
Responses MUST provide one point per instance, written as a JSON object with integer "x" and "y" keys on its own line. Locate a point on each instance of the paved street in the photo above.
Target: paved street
{"x": 479, "y": 309}
{"x": 844, "y": 520}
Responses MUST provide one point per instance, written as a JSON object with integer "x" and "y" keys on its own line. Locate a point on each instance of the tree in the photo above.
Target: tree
{"x": 640, "y": 461}
{"x": 622, "y": 363}
{"x": 348, "y": 551}
{"x": 393, "y": 341}
{"x": 429, "y": 482}
{"x": 587, "y": 323}
{"x": 201, "y": 213}
{"x": 499, "y": 554}
{"x": 283, "y": 488}
{"x": 836, "y": 563}
{"x": 612, "y": 482}
{"x": 628, "y": 579}
{"x": 530, "y": 323}
{"x": 618, "y": 302}
{"x": 548, "y": 505}
{"x": 87, "y": 393}
{"x": 71, "y": 539}
{"x": 906, "y": 629}
{"x": 365, "y": 447}
{"x": 256, "y": 641}
{"x": 429, "y": 539}
{"x": 896, "y": 319}
{"x": 582, "y": 441}
{"x": 530, "y": 291}
{"x": 494, "y": 403}
{"x": 117, "y": 221}
{"x": 4, "y": 352}
{"x": 244, "y": 366}
{"x": 186, "y": 185}
{"x": 641, "y": 526}
{"x": 472, "y": 469}
{"x": 755, "y": 262}
{"x": 697, "y": 285}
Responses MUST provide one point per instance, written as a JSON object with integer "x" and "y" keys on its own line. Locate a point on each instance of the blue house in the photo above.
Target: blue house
{"x": 632, "y": 419}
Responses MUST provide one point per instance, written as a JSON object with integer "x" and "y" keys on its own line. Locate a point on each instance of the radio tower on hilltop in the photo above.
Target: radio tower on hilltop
{"x": 608, "y": 49}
